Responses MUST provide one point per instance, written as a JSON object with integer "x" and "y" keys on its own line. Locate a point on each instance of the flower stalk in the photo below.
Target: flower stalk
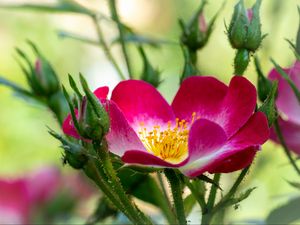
{"x": 176, "y": 188}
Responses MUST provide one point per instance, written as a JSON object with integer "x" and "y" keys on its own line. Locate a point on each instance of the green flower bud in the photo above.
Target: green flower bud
{"x": 90, "y": 124}
{"x": 196, "y": 33}
{"x": 149, "y": 74}
{"x": 46, "y": 77}
{"x": 244, "y": 31}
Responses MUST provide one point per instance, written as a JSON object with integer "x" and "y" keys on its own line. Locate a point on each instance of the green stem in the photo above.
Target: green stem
{"x": 285, "y": 147}
{"x": 115, "y": 16}
{"x": 132, "y": 210}
{"x": 207, "y": 214}
{"x": 198, "y": 195}
{"x": 165, "y": 204}
{"x": 93, "y": 171}
{"x": 106, "y": 48}
{"x": 176, "y": 189}
{"x": 232, "y": 190}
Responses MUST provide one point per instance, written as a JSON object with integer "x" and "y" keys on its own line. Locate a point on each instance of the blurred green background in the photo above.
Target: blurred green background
{"x": 24, "y": 142}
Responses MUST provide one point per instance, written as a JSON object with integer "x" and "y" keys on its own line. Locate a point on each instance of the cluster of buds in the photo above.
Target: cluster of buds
{"x": 244, "y": 34}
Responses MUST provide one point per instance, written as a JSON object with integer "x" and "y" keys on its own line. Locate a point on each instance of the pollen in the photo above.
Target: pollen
{"x": 170, "y": 143}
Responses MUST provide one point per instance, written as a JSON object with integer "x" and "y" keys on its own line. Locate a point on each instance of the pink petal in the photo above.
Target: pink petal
{"x": 101, "y": 92}
{"x": 146, "y": 159}
{"x": 238, "y": 152}
{"x": 286, "y": 101}
{"x": 210, "y": 99}
{"x": 203, "y": 95}
{"x": 44, "y": 184}
{"x": 121, "y": 136}
{"x": 205, "y": 137}
{"x": 141, "y": 102}
{"x": 291, "y": 134}
{"x": 68, "y": 126}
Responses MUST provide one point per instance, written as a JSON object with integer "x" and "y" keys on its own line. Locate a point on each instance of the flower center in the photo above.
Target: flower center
{"x": 170, "y": 144}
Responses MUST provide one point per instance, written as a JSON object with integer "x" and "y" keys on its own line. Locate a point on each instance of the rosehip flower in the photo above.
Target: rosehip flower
{"x": 209, "y": 127}
{"x": 288, "y": 107}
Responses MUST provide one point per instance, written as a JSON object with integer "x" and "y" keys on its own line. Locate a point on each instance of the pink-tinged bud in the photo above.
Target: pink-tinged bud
{"x": 202, "y": 23}
{"x": 250, "y": 14}
{"x": 44, "y": 78}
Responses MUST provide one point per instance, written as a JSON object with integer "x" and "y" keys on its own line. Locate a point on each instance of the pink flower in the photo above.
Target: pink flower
{"x": 288, "y": 107}
{"x": 14, "y": 202}
{"x": 208, "y": 127}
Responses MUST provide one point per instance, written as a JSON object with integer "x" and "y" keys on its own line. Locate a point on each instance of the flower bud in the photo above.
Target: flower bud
{"x": 45, "y": 77}
{"x": 195, "y": 35}
{"x": 149, "y": 74}
{"x": 90, "y": 125}
{"x": 244, "y": 31}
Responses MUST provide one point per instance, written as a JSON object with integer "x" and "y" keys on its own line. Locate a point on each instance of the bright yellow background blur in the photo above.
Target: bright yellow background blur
{"x": 24, "y": 142}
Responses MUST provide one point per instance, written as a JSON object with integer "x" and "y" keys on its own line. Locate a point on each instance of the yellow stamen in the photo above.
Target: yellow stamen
{"x": 170, "y": 144}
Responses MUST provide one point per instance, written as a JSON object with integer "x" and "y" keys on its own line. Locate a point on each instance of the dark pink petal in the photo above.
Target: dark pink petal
{"x": 101, "y": 92}
{"x": 203, "y": 95}
{"x": 210, "y": 99}
{"x": 238, "y": 152}
{"x": 121, "y": 136}
{"x": 141, "y": 102}
{"x": 68, "y": 126}
{"x": 291, "y": 134}
{"x": 205, "y": 137}
{"x": 146, "y": 159}
{"x": 238, "y": 105}
{"x": 286, "y": 101}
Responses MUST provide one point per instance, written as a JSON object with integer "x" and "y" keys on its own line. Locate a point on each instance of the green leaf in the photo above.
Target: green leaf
{"x": 65, "y": 34}
{"x": 285, "y": 214}
{"x": 74, "y": 87}
{"x": 189, "y": 203}
{"x": 16, "y": 88}
{"x": 268, "y": 107}
{"x": 263, "y": 84}
{"x": 144, "y": 187}
{"x": 141, "y": 40}
{"x": 209, "y": 180}
{"x": 294, "y": 184}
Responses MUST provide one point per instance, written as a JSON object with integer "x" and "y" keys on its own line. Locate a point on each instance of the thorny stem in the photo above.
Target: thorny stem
{"x": 285, "y": 147}
{"x": 132, "y": 210}
{"x": 176, "y": 189}
{"x": 105, "y": 47}
{"x": 170, "y": 216}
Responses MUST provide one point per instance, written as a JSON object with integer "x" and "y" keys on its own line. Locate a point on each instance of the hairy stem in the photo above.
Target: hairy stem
{"x": 176, "y": 188}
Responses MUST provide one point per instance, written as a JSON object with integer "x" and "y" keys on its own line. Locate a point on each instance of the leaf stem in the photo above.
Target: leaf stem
{"x": 105, "y": 47}
{"x": 115, "y": 16}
